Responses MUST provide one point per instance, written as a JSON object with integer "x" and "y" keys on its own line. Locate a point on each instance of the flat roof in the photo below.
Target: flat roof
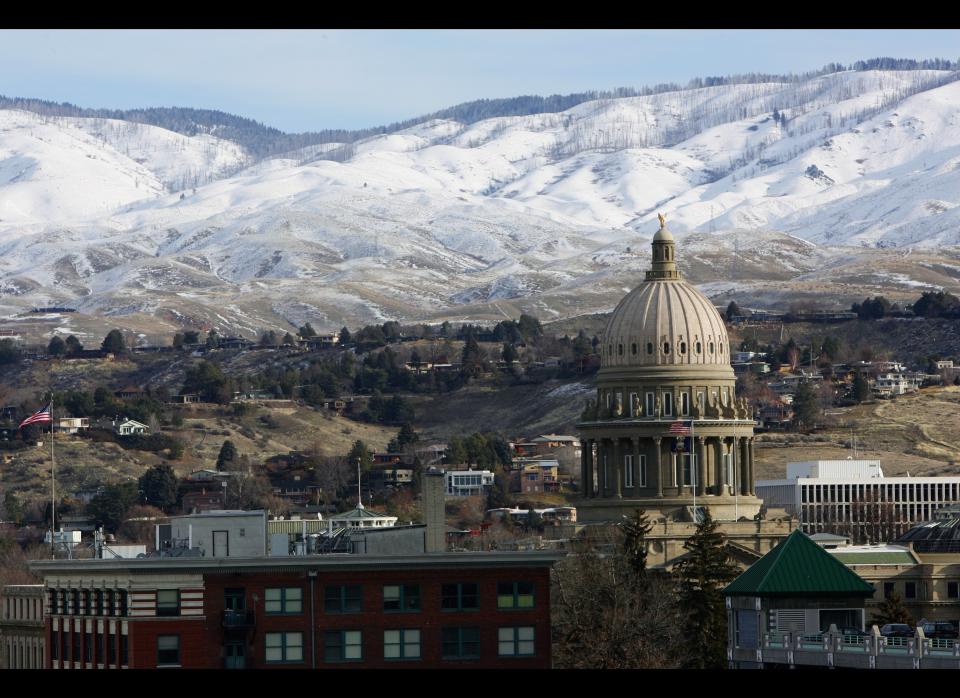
{"x": 336, "y": 561}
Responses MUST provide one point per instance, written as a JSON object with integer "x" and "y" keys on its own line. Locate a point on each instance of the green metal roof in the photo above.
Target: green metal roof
{"x": 798, "y": 567}
{"x": 878, "y": 558}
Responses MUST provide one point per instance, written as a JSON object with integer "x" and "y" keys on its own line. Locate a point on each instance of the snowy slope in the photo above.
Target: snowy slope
{"x": 553, "y": 211}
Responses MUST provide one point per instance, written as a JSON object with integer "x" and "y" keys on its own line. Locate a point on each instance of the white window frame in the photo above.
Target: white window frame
{"x": 405, "y": 641}
{"x": 651, "y": 403}
{"x": 728, "y": 468}
{"x": 667, "y": 404}
{"x": 685, "y": 403}
{"x": 516, "y": 641}
{"x": 630, "y": 408}
{"x": 628, "y": 470}
{"x": 642, "y": 470}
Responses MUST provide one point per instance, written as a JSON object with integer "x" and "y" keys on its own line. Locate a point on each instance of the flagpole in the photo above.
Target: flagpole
{"x": 693, "y": 468}
{"x": 53, "y": 486}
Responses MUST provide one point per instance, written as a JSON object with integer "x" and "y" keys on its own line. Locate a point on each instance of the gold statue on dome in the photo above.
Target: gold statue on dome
{"x": 663, "y": 221}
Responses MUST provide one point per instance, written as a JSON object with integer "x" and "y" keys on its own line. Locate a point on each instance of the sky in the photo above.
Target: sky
{"x": 308, "y": 80}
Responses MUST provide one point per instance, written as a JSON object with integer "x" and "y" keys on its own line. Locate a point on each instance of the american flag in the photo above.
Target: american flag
{"x": 681, "y": 428}
{"x": 42, "y": 415}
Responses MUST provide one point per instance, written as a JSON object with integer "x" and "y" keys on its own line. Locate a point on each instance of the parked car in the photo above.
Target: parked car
{"x": 896, "y": 630}
{"x": 939, "y": 629}
{"x": 847, "y": 631}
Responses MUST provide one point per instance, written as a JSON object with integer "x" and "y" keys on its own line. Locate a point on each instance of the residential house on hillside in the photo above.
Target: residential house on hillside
{"x": 535, "y": 475}
{"x": 468, "y": 483}
{"x": 130, "y": 392}
{"x": 72, "y": 425}
{"x": 184, "y": 399}
{"x": 320, "y": 341}
{"x": 130, "y": 427}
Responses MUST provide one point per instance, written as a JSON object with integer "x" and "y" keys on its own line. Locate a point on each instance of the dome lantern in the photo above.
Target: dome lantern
{"x": 664, "y": 254}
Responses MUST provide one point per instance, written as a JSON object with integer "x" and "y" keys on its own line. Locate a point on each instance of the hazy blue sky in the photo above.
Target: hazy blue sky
{"x": 299, "y": 80}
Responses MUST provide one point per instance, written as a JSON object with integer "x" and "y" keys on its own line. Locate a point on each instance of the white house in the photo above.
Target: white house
{"x": 72, "y": 425}
{"x": 466, "y": 483}
{"x": 129, "y": 427}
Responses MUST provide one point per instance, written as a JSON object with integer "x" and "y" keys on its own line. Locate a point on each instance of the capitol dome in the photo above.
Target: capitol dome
{"x": 665, "y": 321}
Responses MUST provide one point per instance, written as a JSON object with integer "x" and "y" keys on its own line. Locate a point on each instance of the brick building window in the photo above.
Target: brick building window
{"x": 460, "y": 643}
{"x": 910, "y": 590}
{"x": 284, "y": 647}
{"x": 75, "y": 655}
{"x": 88, "y": 601}
{"x": 124, "y": 651}
{"x": 123, "y": 602}
{"x": 102, "y": 649}
{"x": 401, "y": 644}
{"x": 460, "y": 597}
{"x": 515, "y": 642}
{"x": 168, "y": 650}
{"x": 343, "y": 599}
{"x": 76, "y": 602}
{"x": 888, "y": 588}
{"x": 514, "y": 594}
{"x": 111, "y": 649}
{"x": 342, "y": 645}
{"x": 288, "y": 600}
{"x": 953, "y": 590}
{"x": 55, "y": 645}
{"x": 88, "y": 648}
{"x": 168, "y": 602}
{"x": 401, "y": 597}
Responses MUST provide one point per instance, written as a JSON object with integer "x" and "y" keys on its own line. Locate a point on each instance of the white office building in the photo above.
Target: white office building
{"x": 853, "y": 497}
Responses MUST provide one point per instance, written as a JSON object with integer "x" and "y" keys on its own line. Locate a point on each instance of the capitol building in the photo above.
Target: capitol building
{"x": 666, "y": 432}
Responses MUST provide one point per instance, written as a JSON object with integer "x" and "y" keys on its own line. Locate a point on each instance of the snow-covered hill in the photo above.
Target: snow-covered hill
{"x": 552, "y": 213}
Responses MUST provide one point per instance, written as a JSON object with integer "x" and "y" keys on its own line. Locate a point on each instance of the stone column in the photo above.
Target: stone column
{"x": 635, "y": 444}
{"x": 743, "y": 466}
{"x": 618, "y": 468}
{"x": 750, "y": 451}
{"x": 583, "y": 467}
{"x": 658, "y": 465}
{"x": 701, "y": 465}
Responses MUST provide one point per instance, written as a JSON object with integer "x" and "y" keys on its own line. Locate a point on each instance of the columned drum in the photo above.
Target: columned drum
{"x": 666, "y": 407}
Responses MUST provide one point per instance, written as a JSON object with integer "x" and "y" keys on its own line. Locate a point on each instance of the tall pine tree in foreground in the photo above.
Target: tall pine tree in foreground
{"x": 635, "y": 532}
{"x": 701, "y": 578}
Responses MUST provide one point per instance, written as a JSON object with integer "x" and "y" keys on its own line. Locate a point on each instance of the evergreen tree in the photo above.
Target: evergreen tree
{"x": 806, "y": 406}
{"x": 701, "y": 578}
{"x": 213, "y": 339}
{"x": 307, "y": 331}
{"x": 407, "y": 435}
{"x": 509, "y": 354}
{"x": 861, "y": 389}
{"x": 159, "y": 487}
{"x": 733, "y": 310}
{"x": 110, "y": 506}
{"x": 57, "y": 347}
{"x": 288, "y": 340}
{"x": 227, "y": 457}
{"x": 635, "y": 532}
{"x": 892, "y": 610}
{"x": 113, "y": 342}
{"x": 360, "y": 452}
{"x": 74, "y": 346}
{"x": 344, "y": 336}
{"x": 472, "y": 358}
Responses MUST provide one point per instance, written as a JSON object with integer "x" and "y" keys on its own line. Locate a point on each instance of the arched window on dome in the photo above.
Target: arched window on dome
{"x": 649, "y": 347}
{"x": 683, "y": 347}
{"x": 666, "y": 347}
{"x": 721, "y": 347}
{"x": 619, "y": 350}
{"x": 609, "y": 350}
{"x": 711, "y": 347}
{"x": 698, "y": 348}
{"x": 633, "y": 348}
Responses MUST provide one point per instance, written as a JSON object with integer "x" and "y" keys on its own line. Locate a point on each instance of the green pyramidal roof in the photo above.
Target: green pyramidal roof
{"x": 798, "y": 567}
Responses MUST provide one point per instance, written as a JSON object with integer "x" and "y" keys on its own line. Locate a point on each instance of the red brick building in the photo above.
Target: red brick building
{"x": 471, "y": 610}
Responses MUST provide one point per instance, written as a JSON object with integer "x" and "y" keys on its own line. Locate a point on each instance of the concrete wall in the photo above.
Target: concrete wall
{"x": 245, "y": 532}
